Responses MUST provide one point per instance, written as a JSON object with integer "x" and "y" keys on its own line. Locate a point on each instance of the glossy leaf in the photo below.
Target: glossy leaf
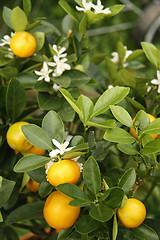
{"x": 27, "y": 6}
{"x": 53, "y": 126}
{"x": 68, "y": 9}
{"x": 101, "y": 213}
{"x": 40, "y": 39}
{"x": 153, "y": 127}
{"x": 86, "y": 224}
{"x": 6, "y": 189}
{"x": 86, "y": 106}
{"x": 63, "y": 233}
{"x": 93, "y": 179}
{"x": 122, "y": 115}
{"x": 109, "y": 97}
{"x": 37, "y": 136}
{"x": 45, "y": 188}
{"x": 141, "y": 119}
{"x": 15, "y": 99}
{"x": 30, "y": 162}
{"x": 128, "y": 180}
{"x": 115, "y": 197}
{"x": 118, "y": 135}
{"x": 103, "y": 125}
{"x": 7, "y": 16}
{"x": 27, "y": 79}
{"x": 151, "y": 147}
{"x": 115, "y": 228}
{"x": 151, "y": 53}
{"x": 26, "y": 212}
{"x": 18, "y": 19}
{"x": 47, "y": 101}
{"x": 73, "y": 191}
{"x": 72, "y": 102}
{"x": 127, "y": 149}
{"x": 145, "y": 233}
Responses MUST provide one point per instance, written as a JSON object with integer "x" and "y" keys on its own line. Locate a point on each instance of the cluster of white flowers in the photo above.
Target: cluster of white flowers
{"x": 115, "y": 56}
{"x": 99, "y": 8}
{"x": 59, "y": 66}
{"x": 6, "y": 41}
{"x": 157, "y": 81}
{"x": 61, "y": 149}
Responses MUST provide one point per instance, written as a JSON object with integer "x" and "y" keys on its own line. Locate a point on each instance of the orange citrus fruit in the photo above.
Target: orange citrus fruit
{"x": 151, "y": 118}
{"x": 36, "y": 150}
{"x": 64, "y": 171}
{"x": 23, "y": 44}
{"x": 16, "y": 139}
{"x": 132, "y": 214}
{"x": 57, "y": 211}
{"x": 32, "y": 185}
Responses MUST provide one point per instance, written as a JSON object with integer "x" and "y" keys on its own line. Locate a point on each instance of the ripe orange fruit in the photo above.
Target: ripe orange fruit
{"x": 37, "y": 151}
{"x": 32, "y": 185}
{"x": 57, "y": 211}
{"x": 151, "y": 118}
{"x": 64, "y": 171}
{"x": 16, "y": 139}
{"x": 23, "y": 44}
{"x": 132, "y": 214}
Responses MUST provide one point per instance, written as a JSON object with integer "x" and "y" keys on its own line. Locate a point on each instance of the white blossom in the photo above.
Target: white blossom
{"x": 59, "y": 51}
{"x": 157, "y": 81}
{"x": 115, "y": 56}
{"x": 86, "y": 6}
{"x": 99, "y": 8}
{"x": 110, "y": 86}
{"x": 44, "y": 73}
{"x": 48, "y": 165}
{"x": 6, "y": 40}
{"x": 56, "y": 87}
{"x": 61, "y": 148}
{"x": 60, "y": 65}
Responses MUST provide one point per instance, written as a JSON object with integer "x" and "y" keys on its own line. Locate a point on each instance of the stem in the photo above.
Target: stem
{"x": 84, "y": 236}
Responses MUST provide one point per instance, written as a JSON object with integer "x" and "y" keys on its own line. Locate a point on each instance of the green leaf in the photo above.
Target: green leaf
{"x": 18, "y": 19}
{"x": 109, "y": 97}
{"x": 114, "y": 200}
{"x": 106, "y": 124}
{"x": 1, "y": 218}
{"x": 111, "y": 67}
{"x": 63, "y": 81}
{"x": 86, "y": 106}
{"x": 86, "y": 224}
{"x": 4, "y": 61}
{"x": 136, "y": 104}
{"x": 45, "y": 188}
{"x": 69, "y": 10}
{"x": 127, "y": 149}
{"x": 118, "y": 135}
{"x": 122, "y": 115}
{"x": 63, "y": 234}
{"x": 71, "y": 155}
{"x": 6, "y": 191}
{"x": 37, "y": 136}
{"x": 145, "y": 233}
{"x": 101, "y": 213}
{"x": 153, "y": 127}
{"x": 124, "y": 78}
{"x": 27, "y": 79}
{"x": 8, "y": 72}
{"x": 77, "y": 77}
{"x": 141, "y": 120}
{"x": 151, "y": 147}
{"x": 83, "y": 24}
{"x": 47, "y": 101}
{"x": 40, "y": 39}
{"x": 151, "y": 53}
{"x": 15, "y": 99}
{"x": 128, "y": 179}
{"x": 74, "y": 192}
{"x": 135, "y": 54}
{"x": 72, "y": 102}
{"x": 30, "y": 162}
{"x": 121, "y": 51}
{"x": 27, "y": 6}
{"x": 25, "y": 180}
{"x": 26, "y": 212}
{"x": 7, "y": 16}
{"x": 115, "y": 228}
{"x": 53, "y": 126}
{"x": 93, "y": 179}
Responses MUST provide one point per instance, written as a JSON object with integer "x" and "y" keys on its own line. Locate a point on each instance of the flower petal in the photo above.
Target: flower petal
{"x": 57, "y": 144}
